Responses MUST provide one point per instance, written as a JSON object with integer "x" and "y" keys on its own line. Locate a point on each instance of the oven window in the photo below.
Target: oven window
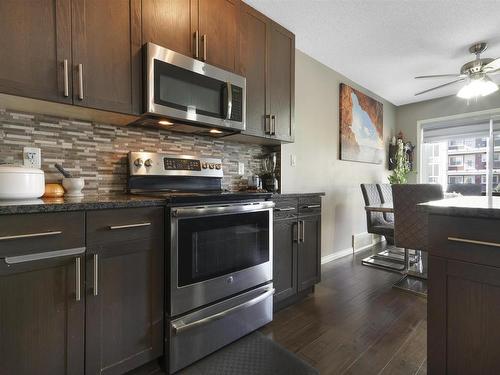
{"x": 182, "y": 89}
{"x": 218, "y": 245}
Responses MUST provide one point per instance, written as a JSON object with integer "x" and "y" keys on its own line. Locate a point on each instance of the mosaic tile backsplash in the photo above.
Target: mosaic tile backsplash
{"x": 98, "y": 152}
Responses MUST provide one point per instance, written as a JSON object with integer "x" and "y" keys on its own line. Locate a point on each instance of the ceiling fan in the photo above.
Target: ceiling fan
{"x": 475, "y": 74}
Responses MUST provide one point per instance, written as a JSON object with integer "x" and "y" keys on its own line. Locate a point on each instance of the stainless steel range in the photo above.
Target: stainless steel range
{"x": 219, "y": 254}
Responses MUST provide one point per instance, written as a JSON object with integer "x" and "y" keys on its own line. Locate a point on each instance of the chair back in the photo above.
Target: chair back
{"x": 372, "y": 197}
{"x": 410, "y": 226}
{"x": 385, "y": 192}
{"x": 464, "y": 189}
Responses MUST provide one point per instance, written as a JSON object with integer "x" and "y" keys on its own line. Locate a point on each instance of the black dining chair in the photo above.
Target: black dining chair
{"x": 464, "y": 189}
{"x": 385, "y": 192}
{"x": 410, "y": 227}
{"x": 375, "y": 221}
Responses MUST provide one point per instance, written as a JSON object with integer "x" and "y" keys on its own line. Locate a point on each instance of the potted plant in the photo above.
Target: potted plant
{"x": 402, "y": 169}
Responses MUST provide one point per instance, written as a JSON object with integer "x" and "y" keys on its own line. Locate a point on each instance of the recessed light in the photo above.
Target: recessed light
{"x": 215, "y": 131}
{"x": 164, "y": 122}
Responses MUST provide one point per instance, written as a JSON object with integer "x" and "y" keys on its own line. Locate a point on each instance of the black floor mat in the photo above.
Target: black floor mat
{"x": 254, "y": 354}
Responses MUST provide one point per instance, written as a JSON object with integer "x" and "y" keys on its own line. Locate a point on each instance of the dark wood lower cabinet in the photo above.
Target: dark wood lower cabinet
{"x": 285, "y": 259}
{"x": 41, "y": 320}
{"x": 125, "y": 286}
{"x": 296, "y": 249}
{"x": 309, "y": 254}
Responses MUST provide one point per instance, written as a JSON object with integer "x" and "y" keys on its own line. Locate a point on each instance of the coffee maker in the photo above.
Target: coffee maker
{"x": 269, "y": 177}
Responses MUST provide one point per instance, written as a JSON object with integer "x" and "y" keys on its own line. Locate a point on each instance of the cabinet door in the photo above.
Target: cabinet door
{"x": 41, "y": 321}
{"x": 104, "y": 33}
{"x": 253, "y": 66}
{"x": 309, "y": 255}
{"x": 35, "y": 40}
{"x": 170, "y": 24}
{"x": 281, "y": 81}
{"x": 218, "y": 26}
{"x": 284, "y": 258}
{"x": 124, "y": 317}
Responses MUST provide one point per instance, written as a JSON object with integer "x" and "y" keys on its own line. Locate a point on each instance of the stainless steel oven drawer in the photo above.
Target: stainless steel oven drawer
{"x": 200, "y": 333}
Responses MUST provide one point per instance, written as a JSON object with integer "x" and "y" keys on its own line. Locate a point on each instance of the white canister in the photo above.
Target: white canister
{"x": 21, "y": 182}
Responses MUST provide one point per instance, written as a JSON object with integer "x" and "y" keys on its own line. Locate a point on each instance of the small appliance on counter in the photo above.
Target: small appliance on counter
{"x": 269, "y": 177}
{"x": 21, "y": 182}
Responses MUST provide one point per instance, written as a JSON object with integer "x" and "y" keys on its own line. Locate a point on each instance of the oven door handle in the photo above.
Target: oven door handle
{"x": 181, "y": 327}
{"x": 220, "y": 210}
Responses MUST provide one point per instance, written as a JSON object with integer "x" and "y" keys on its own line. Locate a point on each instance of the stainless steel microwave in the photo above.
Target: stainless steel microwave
{"x": 180, "y": 89}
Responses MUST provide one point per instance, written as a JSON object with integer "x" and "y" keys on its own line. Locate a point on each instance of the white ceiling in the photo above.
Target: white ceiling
{"x": 382, "y": 44}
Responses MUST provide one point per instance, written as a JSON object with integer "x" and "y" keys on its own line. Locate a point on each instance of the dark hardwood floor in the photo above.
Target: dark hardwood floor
{"x": 356, "y": 323}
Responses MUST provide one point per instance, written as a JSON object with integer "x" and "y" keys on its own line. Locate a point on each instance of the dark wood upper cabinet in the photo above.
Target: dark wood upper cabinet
{"x": 103, "y": 34}
{"x": 124, "y": 307}
{"x": 281, "y": 82}
{"x": 218, "y": 28}
{"x": 35, "y": 40}
{"x": 171, "y": 24}
{"x": 253, "y": 57}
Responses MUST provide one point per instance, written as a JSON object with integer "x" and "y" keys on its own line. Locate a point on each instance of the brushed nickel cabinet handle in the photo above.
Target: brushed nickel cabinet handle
{"x": 273, "y": 127}
{"x": 66, "y": 78}
{"x": 196, "y": 44}
{"x": 312, "y": 206}
{"x": 30, "y": 235}
{"x": 267, "y": 124}
{"x": 80, "y": 81}
{"x": 296, "y": 225}
{"x": 96, "y": 274}
{"x": 78, "y": 286}
{"x": 204, "y": 39}
{"x": 284, "y": 209}
{"x": 43, "y": 256}
{"x": 303, "y": 231}
{"x": 474, "y": 242}
{"x": 115, "y": 227}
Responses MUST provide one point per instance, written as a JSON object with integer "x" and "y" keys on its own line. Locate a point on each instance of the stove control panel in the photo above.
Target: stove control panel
{"x": 157, "y": 164}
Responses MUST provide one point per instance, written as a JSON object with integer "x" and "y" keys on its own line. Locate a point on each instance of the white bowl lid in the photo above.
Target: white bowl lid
{"x": 6, "y": 168}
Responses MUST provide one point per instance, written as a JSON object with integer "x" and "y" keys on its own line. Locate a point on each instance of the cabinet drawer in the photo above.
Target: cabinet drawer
{"x": 35, "y": 233}
{"x": 467, "y": 239}
{"x": 126, "y": 224}
{"x": 285, "y": 208}
{"x": 310, "y": 205}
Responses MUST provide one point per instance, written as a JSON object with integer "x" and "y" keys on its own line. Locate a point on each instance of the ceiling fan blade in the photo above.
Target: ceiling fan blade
{"x": 438, "y": 87}
{"x": 440, "y": 76}
{"x": 494, "y": 65}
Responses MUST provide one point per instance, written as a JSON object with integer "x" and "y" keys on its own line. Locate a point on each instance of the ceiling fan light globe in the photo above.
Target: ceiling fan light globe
{"x": 477, "y": 87}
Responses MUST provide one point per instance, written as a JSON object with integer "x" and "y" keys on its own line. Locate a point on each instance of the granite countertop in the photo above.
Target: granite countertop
{"x": 297, "y": 195}
{"x": 483, "y": 207}
{"x": 90, "y": 202}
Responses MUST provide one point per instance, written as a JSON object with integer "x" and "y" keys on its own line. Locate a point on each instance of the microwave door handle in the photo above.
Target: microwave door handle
{"x": 229, "y": 100}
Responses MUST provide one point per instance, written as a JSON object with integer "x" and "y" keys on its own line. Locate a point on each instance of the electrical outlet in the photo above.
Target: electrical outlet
{"x": 32, "y": 157}
{"x": 241, "y": 168}
{"x": 293, "y": 160}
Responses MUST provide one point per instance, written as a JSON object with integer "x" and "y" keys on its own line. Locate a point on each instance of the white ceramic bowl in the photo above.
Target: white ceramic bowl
{"x": 21, "y": 182}
{"x": 73, "y": 186}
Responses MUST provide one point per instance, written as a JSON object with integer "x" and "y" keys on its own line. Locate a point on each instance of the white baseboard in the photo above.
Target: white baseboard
{"x": 349, "y": 251}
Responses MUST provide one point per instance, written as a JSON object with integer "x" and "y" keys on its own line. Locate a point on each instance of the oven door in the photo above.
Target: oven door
{"x": 182, "y": 88}
{"x": 218, "y": 251}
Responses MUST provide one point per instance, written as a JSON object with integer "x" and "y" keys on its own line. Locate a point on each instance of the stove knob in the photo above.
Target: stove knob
{"x": 204, "y": 165}
{"x": 211, "y": 166}
{"x": 218, "y": 166}
{"x": 148, "y": 163}
{"x": 138, "y": 162}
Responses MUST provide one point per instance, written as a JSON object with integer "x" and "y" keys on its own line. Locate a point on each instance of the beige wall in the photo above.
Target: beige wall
{"x": 316, "y": 148}
{"x": 408, "y": 115}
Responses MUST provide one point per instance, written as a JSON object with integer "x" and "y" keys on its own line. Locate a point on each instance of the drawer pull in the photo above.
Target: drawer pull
{"x": 78, "y": 286}
{"x": 96, "y": 274}
{"x": 284, "y": 209}
{"x": 312, "y": 206}
{"x": 30, "y": 235}
{"x": 115, "y": 227}
{"x": 45, "y": 255}
{"x": 475, "y": 242}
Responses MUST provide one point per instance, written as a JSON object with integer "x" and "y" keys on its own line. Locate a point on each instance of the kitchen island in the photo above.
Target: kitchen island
{"x": 464, "y": 285}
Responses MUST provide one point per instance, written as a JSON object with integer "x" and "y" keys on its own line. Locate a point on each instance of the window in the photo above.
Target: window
{"x": 470, "y": 161}
{"x": 483, "y": 179}
{"x": 496, "y": 156}
{"x": 456, "y": 180}
{"x": 469, "y": 179}
{"x": 455, "y": 143}
{"x": 484, "y": 158}
{"x": 456, "y": 161}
